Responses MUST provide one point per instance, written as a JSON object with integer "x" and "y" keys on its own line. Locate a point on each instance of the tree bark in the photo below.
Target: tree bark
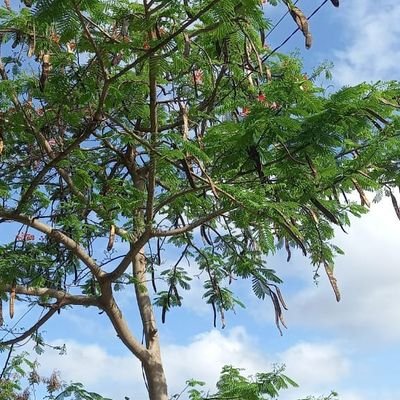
{"x": 155, "y": 376}
{"x": 153, "y": 367}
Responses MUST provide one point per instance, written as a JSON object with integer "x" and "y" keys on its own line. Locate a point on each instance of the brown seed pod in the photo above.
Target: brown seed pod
{"x": 111, "y": 238}
{"x": 395, "y": 205}
{"x": 335, "y": 3}
{"x": 363, "y": 197}
{"x": 45, "y": 71}
{"x": 1, "y": 144}
{"x": 302, "y": 22}
{"x": 12, "y": 300}
{"x": 332, "y": 280}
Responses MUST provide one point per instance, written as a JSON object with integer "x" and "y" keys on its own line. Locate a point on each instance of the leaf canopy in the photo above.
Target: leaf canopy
{"x": 169, "y": 126}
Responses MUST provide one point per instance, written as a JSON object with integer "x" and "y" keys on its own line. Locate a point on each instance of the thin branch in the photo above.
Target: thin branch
{"x": 164, "y": 42}
{"x": 92, "y": 42}
{"x": 10, "y": 350}
{"x": 35, "y": 327}
{"x": 57, "y": 235}
{"x": 191, "y": 226}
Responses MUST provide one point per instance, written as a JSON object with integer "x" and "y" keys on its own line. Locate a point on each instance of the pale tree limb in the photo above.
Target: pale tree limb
{"x": 64, "y": 298}
{"x": 110, "y": 307}
{"x": 191, "y": 226}
{"x": 58, "y": 236}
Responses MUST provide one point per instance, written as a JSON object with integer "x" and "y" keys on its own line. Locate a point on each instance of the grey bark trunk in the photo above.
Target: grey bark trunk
{"x": 153, "y": 367}
{"x": 155, "y": 376}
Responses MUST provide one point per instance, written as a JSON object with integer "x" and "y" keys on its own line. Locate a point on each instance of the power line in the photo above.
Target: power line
{"x": 279, "y": 22}
{"x": 293, "y": 33}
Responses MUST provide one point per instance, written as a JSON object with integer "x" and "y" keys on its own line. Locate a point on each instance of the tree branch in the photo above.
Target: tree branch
{"x": 119, "y": 323}
{"x": 57, "y": 235}
{"x": 124, "y": 264}
{"x": 33, "y": 328}
{"x": 164, "y": 42}
{"x": 64, "y": 298}
{"x": 191, "y": 226}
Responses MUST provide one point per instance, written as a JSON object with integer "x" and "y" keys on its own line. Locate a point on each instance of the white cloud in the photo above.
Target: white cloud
{"x": 311, "y": 364}
{"x": 204, "y": 357}
{"x": 372, "y": 47}
{"x": 92, "y": 365}
{"x": 369, "y": 280}
{"x": 315, "y": 366}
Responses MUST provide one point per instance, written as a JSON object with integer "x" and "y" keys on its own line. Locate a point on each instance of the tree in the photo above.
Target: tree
{"x": 171, "y": 127}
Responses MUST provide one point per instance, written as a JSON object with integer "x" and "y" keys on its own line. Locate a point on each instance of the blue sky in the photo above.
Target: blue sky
{"x": 352, "y": 347}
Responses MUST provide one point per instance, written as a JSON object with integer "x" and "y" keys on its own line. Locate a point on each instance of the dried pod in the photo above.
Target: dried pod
{"x": 332, "y": 280}
{"x": 45, "y": 71}
{"x": 313, "y": 215}
{"x": 28, "y": 3}
{"x": 363, "y": 197}
{"x": 280, "y": 297}
{"x": 31, "y": 49}
{"x": 186, "y": 51}
{"x": 268, "y": 74}
{"x": 1, "y": 144}
{"x": 328, "y": 214}
{"x": 7, "y": 4}
{"x": 312, "y": 166}
{"x": 289, "y": 253}
{"x": 12, "y": 300}
{"x": 111, "y": 238}
{"x": 1, "y": 313}
{"x": 395, "y": 205}
{"x": 335, "y": 3}
{"x": 302, "y": 22}
{"x": 71, "y": 46}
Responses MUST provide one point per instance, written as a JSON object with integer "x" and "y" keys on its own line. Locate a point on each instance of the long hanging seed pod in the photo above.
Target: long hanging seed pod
{"x": 111, "y": 238}
{"x": 7, "y": 4}
{"x": 363, "y": 197}
{"x": 1, "y": 313}
{"x": 1, "y": 143}
{"x": 332, "y": 280}
{"x": 395, "y": 205}
{"x": 12, "y": 299}
{"x": 186, "y": 50}
{"x": 32, "y": 43}
{"x": 301, "y": 21}
{"x": 45, "y": 71}
{"x": 268, "y": 74}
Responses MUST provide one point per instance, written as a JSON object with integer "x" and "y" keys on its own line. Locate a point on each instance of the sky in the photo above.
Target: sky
{"x": 352, "y": 347}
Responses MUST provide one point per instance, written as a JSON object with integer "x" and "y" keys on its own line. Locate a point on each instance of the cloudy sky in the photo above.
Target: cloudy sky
{"x": 352, "y": 347}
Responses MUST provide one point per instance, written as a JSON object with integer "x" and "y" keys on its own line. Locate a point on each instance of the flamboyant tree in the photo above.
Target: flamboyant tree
{"x": 170, "y": 126}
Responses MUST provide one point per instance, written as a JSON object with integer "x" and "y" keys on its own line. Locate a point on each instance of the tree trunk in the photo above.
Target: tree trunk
{"x": 155, "y": 376}
{"x": 153, "y": 367}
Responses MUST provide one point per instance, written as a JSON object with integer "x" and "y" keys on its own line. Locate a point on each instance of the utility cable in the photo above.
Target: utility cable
{"x": 293, "y": 33}
{"x": 279, "y": 22}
